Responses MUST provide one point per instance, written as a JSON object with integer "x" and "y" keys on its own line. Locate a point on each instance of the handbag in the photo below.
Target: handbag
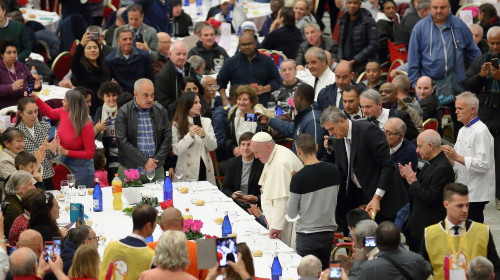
{"x": 447, "y": 87}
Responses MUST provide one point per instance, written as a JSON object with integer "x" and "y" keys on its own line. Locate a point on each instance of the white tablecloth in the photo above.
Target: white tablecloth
{"x": 48, "y": 19}
{"x": 255, "y": 11}
{"x": 115, "y": 225}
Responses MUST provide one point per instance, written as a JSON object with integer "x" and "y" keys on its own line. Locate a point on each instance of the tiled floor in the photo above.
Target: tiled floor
{"x": 492, "y": 218}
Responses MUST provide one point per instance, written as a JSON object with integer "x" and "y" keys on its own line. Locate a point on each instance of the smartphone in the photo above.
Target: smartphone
{"x": 335, "y": 272}
{"x": 52, "y": 133}
{"x": 139, "y": 38}
{"x": 70, "y": 225}
{"x": 10, "y": 249}
{"x": 494, "y": 62}
{"x": 206, "y": 253}
{"x": 197, "y": 120}
{"x": 57, "y": 245}
{"x": 48, "y": 250}
{"x": 226, "y": 250}
{"x": 370, "y": 241}
{"x": 31, "y": 86}
{"x": 95, "y": 35}
{"x": 250, "y": 117}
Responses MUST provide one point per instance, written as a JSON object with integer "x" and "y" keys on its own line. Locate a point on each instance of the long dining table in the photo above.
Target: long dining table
{"x": 115, "y": 224}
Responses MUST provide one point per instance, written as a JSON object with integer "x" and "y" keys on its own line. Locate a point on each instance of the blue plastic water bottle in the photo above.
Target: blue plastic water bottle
{"x": 226, "y": 226}
{"x": 276, "y": 270}
{"x": 186, "y": 2}
{"x": 97, "y": 196}
{"x": 167, "y": 188}
{"x": 199, "y": 7}
{"x": 279, "y": 111}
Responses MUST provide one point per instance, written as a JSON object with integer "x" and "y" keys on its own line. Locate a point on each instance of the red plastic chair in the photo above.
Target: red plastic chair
{"x": 115, "y": 3}
{"x": 431, "y": 124}
{"x": 44, "y": 51}
{"x": 397, "y": 51}
{"x": 73, "y": 47}
{"x": 61, "y": 171}
{"x": 108, "y": 9}
{"x": 61, "y": 65}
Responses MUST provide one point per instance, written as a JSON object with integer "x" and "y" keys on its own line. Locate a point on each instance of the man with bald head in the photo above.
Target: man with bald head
{"x": 171, "y": 219}
{"x": 210, "y": 88}
{"x": 248, "y": 66}
{"x": 332, "y": 94}
{"x": 426, "y": 187}
{"x": 279, "y": 162}
{"x": 142, "y": 133}
{"x": 427, "y": 99}
{"x": 31, "y": 239}
{"x": 170, "y": 80}
{"x": 483, "y": 79}
{"x": 161, "y": 57}
{"x": 23, "y": 265}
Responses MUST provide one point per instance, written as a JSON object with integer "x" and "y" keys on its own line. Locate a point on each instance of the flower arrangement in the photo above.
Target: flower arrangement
{"x": 192, "y": 229}
{"x": 132, "y": 179}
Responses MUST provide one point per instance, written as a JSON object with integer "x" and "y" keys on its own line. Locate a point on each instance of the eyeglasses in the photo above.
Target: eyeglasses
{"x": 95, "y": 237}
{"x": 216, "y": 87}
{"x": 388, "y": 133}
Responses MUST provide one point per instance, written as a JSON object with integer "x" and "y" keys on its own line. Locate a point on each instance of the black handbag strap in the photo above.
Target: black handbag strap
{"x": 398, "y": 267}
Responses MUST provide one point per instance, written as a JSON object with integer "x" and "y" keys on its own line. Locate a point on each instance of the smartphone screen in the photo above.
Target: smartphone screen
{"x": 335, "y": 272}
{"x": 197, "y": 120}
{"x": 370, "y": 241}
{"x": 494, "y": 62}
{"x": 139, "y": 38}
{"x": 52, "y": 133}
{"x": 31, "y": 86}
{"x": 48, "y": 250}
{"x": 226, "y": 250}
{"x": 250, "y": 117}
{"x": 57, "y": 245}
{"x": 95, "y": 35}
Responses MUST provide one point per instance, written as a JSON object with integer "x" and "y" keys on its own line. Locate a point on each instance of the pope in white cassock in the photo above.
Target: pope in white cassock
{"x": 280, "y": 162}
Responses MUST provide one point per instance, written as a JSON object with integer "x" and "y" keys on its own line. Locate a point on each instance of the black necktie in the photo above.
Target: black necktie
{"x": 456, "y": 228}
{"x": 341, "y": 105}
{"x": 315, "y": 82}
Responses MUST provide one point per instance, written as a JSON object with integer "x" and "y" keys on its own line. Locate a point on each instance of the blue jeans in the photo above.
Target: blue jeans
{"x": 83, "y": 170}
{"x": 402, "y": 215}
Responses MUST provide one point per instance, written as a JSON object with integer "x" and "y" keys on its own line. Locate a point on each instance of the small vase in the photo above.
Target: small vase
{"x": 132, "y": 194}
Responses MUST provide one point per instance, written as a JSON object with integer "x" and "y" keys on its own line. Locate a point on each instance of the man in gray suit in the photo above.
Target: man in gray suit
{"x": 145, "y": 37}
{"x": 392, "y": 262}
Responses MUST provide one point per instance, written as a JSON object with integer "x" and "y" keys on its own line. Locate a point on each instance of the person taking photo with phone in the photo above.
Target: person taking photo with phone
{"x": 483, "y": 78}
{"x": 36, "y": 135}
{"x": 193, "y": 138}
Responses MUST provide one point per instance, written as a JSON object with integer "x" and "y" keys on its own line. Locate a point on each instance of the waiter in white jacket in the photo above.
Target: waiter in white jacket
{"x": 280, "y": 163}
{"x": 473, "y": 157}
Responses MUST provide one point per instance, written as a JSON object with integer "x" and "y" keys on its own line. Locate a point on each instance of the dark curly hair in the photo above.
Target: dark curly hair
{"x": 109, "y": 87}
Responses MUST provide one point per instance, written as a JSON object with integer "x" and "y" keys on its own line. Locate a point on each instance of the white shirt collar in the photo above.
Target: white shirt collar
{"x": 450, "y": 224}
{"x": 138, "y": 237}
{"x": 324, "y": 75}
{"x": 6, "y": 23}
{"x": 395, "y": 149}
{"x": 349, "y": 132}
{"x": 382, "y": 119}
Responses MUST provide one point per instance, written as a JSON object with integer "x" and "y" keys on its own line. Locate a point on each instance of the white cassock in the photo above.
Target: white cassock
{"x": 275, "y": 182}
{"x": 475, "y": 144}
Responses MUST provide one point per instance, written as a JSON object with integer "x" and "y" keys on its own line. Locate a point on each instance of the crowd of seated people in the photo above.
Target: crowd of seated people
{"x": 326, "y": 126}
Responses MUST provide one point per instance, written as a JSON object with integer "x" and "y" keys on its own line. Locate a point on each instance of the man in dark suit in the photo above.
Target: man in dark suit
{"x": 368, "y": 175}
{"x": 243, "y": 168}
{"x": 426, "y": 187}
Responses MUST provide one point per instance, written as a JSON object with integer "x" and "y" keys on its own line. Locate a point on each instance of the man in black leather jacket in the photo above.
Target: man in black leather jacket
{"x": 143, "y": 132}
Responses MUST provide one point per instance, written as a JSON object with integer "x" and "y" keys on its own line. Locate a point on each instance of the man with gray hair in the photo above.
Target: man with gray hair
{"x": 477, "y": 34}
{"x": 18, "y": 184}
{"x": 317, "y": 64}
{"x": 309, "y": 268}
{"x": 314, "y": 39}
{"x": 480, "y": 268}
{"x": 23, "y": 265}
{"x": 473, "y": 155}
{"x": 169, "y": 82}
{"x": 483, "y": 78}
{"x": 364, "y": 229}
{"x": 368, "y": 175}
{"x": 426, "y": 187}
{"x": 280, "y": 163}
{"x": 142, "y": 132}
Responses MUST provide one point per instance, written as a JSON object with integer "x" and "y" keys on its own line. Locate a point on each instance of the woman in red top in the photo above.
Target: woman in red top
{"x": 85, "y": 263}
{"x": 76, "y": 135}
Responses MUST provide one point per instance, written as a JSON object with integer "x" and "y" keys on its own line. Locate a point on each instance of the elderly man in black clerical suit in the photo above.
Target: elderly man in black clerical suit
{"x": 369, "y": 176}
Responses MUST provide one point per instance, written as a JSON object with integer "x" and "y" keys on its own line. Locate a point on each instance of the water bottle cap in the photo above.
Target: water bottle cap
{"x": 187, "y": 209}
{"x": 116, "y": 174}
{"x": 97, "y": 180}
{"x": 166, "y": 173}
{"x": 225, "y": 213}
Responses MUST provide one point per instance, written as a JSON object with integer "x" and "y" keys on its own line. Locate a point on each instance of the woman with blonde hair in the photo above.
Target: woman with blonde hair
{"x": 171, "y": 258}
{"x": 85, "y": 263}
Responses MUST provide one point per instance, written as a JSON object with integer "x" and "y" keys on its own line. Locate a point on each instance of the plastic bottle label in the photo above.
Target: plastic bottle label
{"x": 96, "y": 203}
{"x": 117, "y": 188}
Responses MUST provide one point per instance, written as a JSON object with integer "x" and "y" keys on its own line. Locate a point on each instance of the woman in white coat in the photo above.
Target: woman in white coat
{"x": 192, "y": 143}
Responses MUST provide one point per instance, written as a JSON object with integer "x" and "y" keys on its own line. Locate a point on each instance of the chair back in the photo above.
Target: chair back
{"x": 61, "y": 65}
{"x": 431, "y": 124}
{"x": 61, "y": 170}
{"x": 218, "y": 177}
{"x": 108, "y": 10}
{"x": 73, "y": 46}
{"x": 397, "y": 51}
{"x": 44, "y": 51}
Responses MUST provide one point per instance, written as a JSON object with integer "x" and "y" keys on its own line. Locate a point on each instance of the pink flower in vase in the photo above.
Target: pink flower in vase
{"x": 187, "y": 225}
